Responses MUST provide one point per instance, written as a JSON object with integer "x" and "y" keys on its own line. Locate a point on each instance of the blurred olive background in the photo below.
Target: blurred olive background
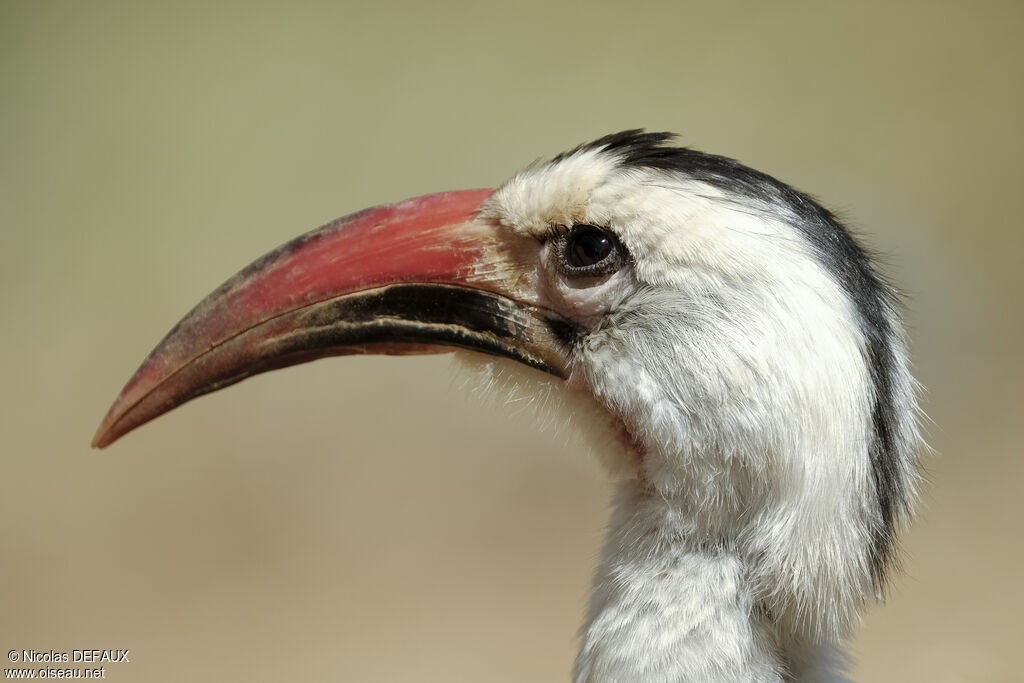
{"x": 365, "y": 519}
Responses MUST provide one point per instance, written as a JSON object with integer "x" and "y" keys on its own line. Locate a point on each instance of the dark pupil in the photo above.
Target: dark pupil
{"x": 588, "y": 248}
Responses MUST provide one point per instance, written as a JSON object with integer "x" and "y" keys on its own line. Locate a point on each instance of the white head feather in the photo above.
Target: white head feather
{"x": 754, "y": 365}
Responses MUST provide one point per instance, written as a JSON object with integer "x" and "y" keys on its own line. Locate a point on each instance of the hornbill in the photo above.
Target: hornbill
{"x": 734, "y": 350}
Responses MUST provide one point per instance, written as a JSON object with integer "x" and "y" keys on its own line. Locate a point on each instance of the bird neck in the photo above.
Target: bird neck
{"x": 672, "y": 603}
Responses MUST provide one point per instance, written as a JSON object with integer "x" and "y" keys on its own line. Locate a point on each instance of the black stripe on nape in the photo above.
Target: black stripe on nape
{"x": 874, "y": 299}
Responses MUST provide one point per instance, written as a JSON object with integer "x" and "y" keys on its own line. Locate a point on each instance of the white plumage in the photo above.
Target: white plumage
{"x": 740, "y": 548}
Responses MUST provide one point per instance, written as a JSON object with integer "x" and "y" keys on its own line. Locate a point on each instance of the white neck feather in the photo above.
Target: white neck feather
{"x": 671, "y": 605}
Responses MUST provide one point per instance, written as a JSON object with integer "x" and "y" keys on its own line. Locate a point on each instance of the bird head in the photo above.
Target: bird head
{"x": 736, "y": 350}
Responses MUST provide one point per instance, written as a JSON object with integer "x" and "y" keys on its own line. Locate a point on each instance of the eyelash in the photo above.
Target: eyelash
{"x": 553, "y": 232}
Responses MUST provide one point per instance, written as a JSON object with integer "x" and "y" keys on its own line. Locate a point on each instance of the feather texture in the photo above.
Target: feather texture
{"x": 754, "y": 361}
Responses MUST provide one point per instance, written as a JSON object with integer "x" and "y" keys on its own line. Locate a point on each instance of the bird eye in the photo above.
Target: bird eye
{"x": 589, "y": 251}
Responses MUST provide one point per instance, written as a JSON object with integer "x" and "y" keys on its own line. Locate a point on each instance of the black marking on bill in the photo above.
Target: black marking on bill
{"x": 432, "y": 314}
